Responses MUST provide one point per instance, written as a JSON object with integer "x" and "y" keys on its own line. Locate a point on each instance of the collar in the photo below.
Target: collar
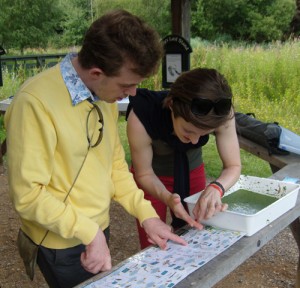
{"x": 77, "y": 89}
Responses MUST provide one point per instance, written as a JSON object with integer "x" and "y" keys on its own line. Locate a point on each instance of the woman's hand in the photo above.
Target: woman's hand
{"x": 174, "y": 203}
{"x": 208, "y": 204}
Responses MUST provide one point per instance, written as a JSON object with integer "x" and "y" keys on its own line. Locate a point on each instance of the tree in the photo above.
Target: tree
{"x": 295, "y": 23}
{"x": 248, "y": 20}
{"x": 28, "y": 23}
{"x": 156, "y": 13}
{"x": 78, "y": 15}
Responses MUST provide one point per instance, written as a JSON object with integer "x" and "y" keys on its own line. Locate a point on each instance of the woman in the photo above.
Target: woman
{"x": 166, "y": 130}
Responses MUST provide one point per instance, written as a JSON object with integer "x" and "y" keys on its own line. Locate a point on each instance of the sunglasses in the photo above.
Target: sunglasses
{"x": 101, "y": 121}
{"x": 202, "y": 106}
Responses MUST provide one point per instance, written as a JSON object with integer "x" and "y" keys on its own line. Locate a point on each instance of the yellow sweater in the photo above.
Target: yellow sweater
{"x": 47, "y": 144}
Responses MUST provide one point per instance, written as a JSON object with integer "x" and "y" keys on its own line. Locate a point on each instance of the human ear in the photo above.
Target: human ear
{"x": 95, "y": 72}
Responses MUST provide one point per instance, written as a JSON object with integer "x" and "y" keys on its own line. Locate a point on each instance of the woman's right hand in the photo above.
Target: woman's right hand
{"x": 174, "y": 203}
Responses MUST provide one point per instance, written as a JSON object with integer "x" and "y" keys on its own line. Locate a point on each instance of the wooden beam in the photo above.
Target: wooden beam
{"x": 181, "y": 18}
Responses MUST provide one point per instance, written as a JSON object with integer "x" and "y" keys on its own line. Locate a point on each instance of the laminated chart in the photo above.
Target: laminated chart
{"x": 156, "y": 268}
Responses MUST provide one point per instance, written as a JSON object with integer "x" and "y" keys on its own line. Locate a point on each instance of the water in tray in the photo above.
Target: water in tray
{"x": 247, "y": 202}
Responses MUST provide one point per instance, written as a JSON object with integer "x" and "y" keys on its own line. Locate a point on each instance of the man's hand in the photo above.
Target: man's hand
{"x": 159, "y": 233}
{"x": 174, "y": 202}
{"x": 96, "y": 257}
{"x": 208, "y": 204}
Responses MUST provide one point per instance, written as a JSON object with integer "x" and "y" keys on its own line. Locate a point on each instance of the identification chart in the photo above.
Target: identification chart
{"x": 156, "y": 268}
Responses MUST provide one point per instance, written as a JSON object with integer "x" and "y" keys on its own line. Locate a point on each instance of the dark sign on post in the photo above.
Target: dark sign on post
{"x": 176, "y": 59}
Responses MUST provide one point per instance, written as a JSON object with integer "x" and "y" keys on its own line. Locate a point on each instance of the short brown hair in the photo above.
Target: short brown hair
{"x": 199, "y": 83}
{"x": 118, "y": 37}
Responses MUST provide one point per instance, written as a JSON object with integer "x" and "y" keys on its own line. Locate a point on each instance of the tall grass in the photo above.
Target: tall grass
{"x": 264, "y": 80}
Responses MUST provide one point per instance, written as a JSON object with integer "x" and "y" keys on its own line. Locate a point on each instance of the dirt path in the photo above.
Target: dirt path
{"x": 274, "y": 266}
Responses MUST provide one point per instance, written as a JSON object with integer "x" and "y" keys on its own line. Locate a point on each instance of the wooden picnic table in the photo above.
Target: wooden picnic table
{"x": 226, "y": 262}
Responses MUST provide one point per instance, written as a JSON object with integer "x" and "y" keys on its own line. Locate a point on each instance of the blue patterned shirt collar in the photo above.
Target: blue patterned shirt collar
{"x": 77, "y": 89}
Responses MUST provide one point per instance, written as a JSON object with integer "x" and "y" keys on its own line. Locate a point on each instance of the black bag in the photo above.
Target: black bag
{"x": 28, "y": 251}
{"x": 264, "y": 134}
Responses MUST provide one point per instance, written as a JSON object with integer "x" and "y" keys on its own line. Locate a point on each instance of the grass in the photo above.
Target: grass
{"x": 264, "y": 81}
{"x": 122, "y": 131}
{"x": 251, "y": 165}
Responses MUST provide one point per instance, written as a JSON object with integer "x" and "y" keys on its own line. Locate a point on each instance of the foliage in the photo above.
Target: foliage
{"x": 57, "y": 23}
{"x": 156, "y": 13}
{"x": 76, "y": 19}
{"x": 11, "y": 82}
{"x": 27, "y": 23}
{"x": 2, "y": 131}
{"x": 251, "y": 20}
{"x": 36, "y": 23}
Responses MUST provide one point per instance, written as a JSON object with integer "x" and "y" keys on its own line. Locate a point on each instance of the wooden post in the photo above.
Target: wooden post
{"x": 2, "y": 52}
{"x": 181, "y": 18}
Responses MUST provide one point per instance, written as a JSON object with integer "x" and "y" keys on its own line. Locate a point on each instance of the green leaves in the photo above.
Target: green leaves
{"x": 27, "y": 23}
{"x": 252, "y": 20}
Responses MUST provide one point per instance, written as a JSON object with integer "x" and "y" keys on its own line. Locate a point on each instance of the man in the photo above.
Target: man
{"x": 65, "y": 160}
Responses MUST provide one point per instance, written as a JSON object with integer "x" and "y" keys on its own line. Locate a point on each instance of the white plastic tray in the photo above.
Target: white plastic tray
{"x": 286, "y": 193}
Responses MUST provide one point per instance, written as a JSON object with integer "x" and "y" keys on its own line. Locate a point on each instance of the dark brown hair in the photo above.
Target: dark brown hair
{"x": 117, "y": 37}
{"x": 199, "y": 83}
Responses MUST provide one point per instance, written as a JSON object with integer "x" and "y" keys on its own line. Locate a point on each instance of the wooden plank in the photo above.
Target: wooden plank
{"x": 291, "y": 170}
{"x": 4, "y": 104}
